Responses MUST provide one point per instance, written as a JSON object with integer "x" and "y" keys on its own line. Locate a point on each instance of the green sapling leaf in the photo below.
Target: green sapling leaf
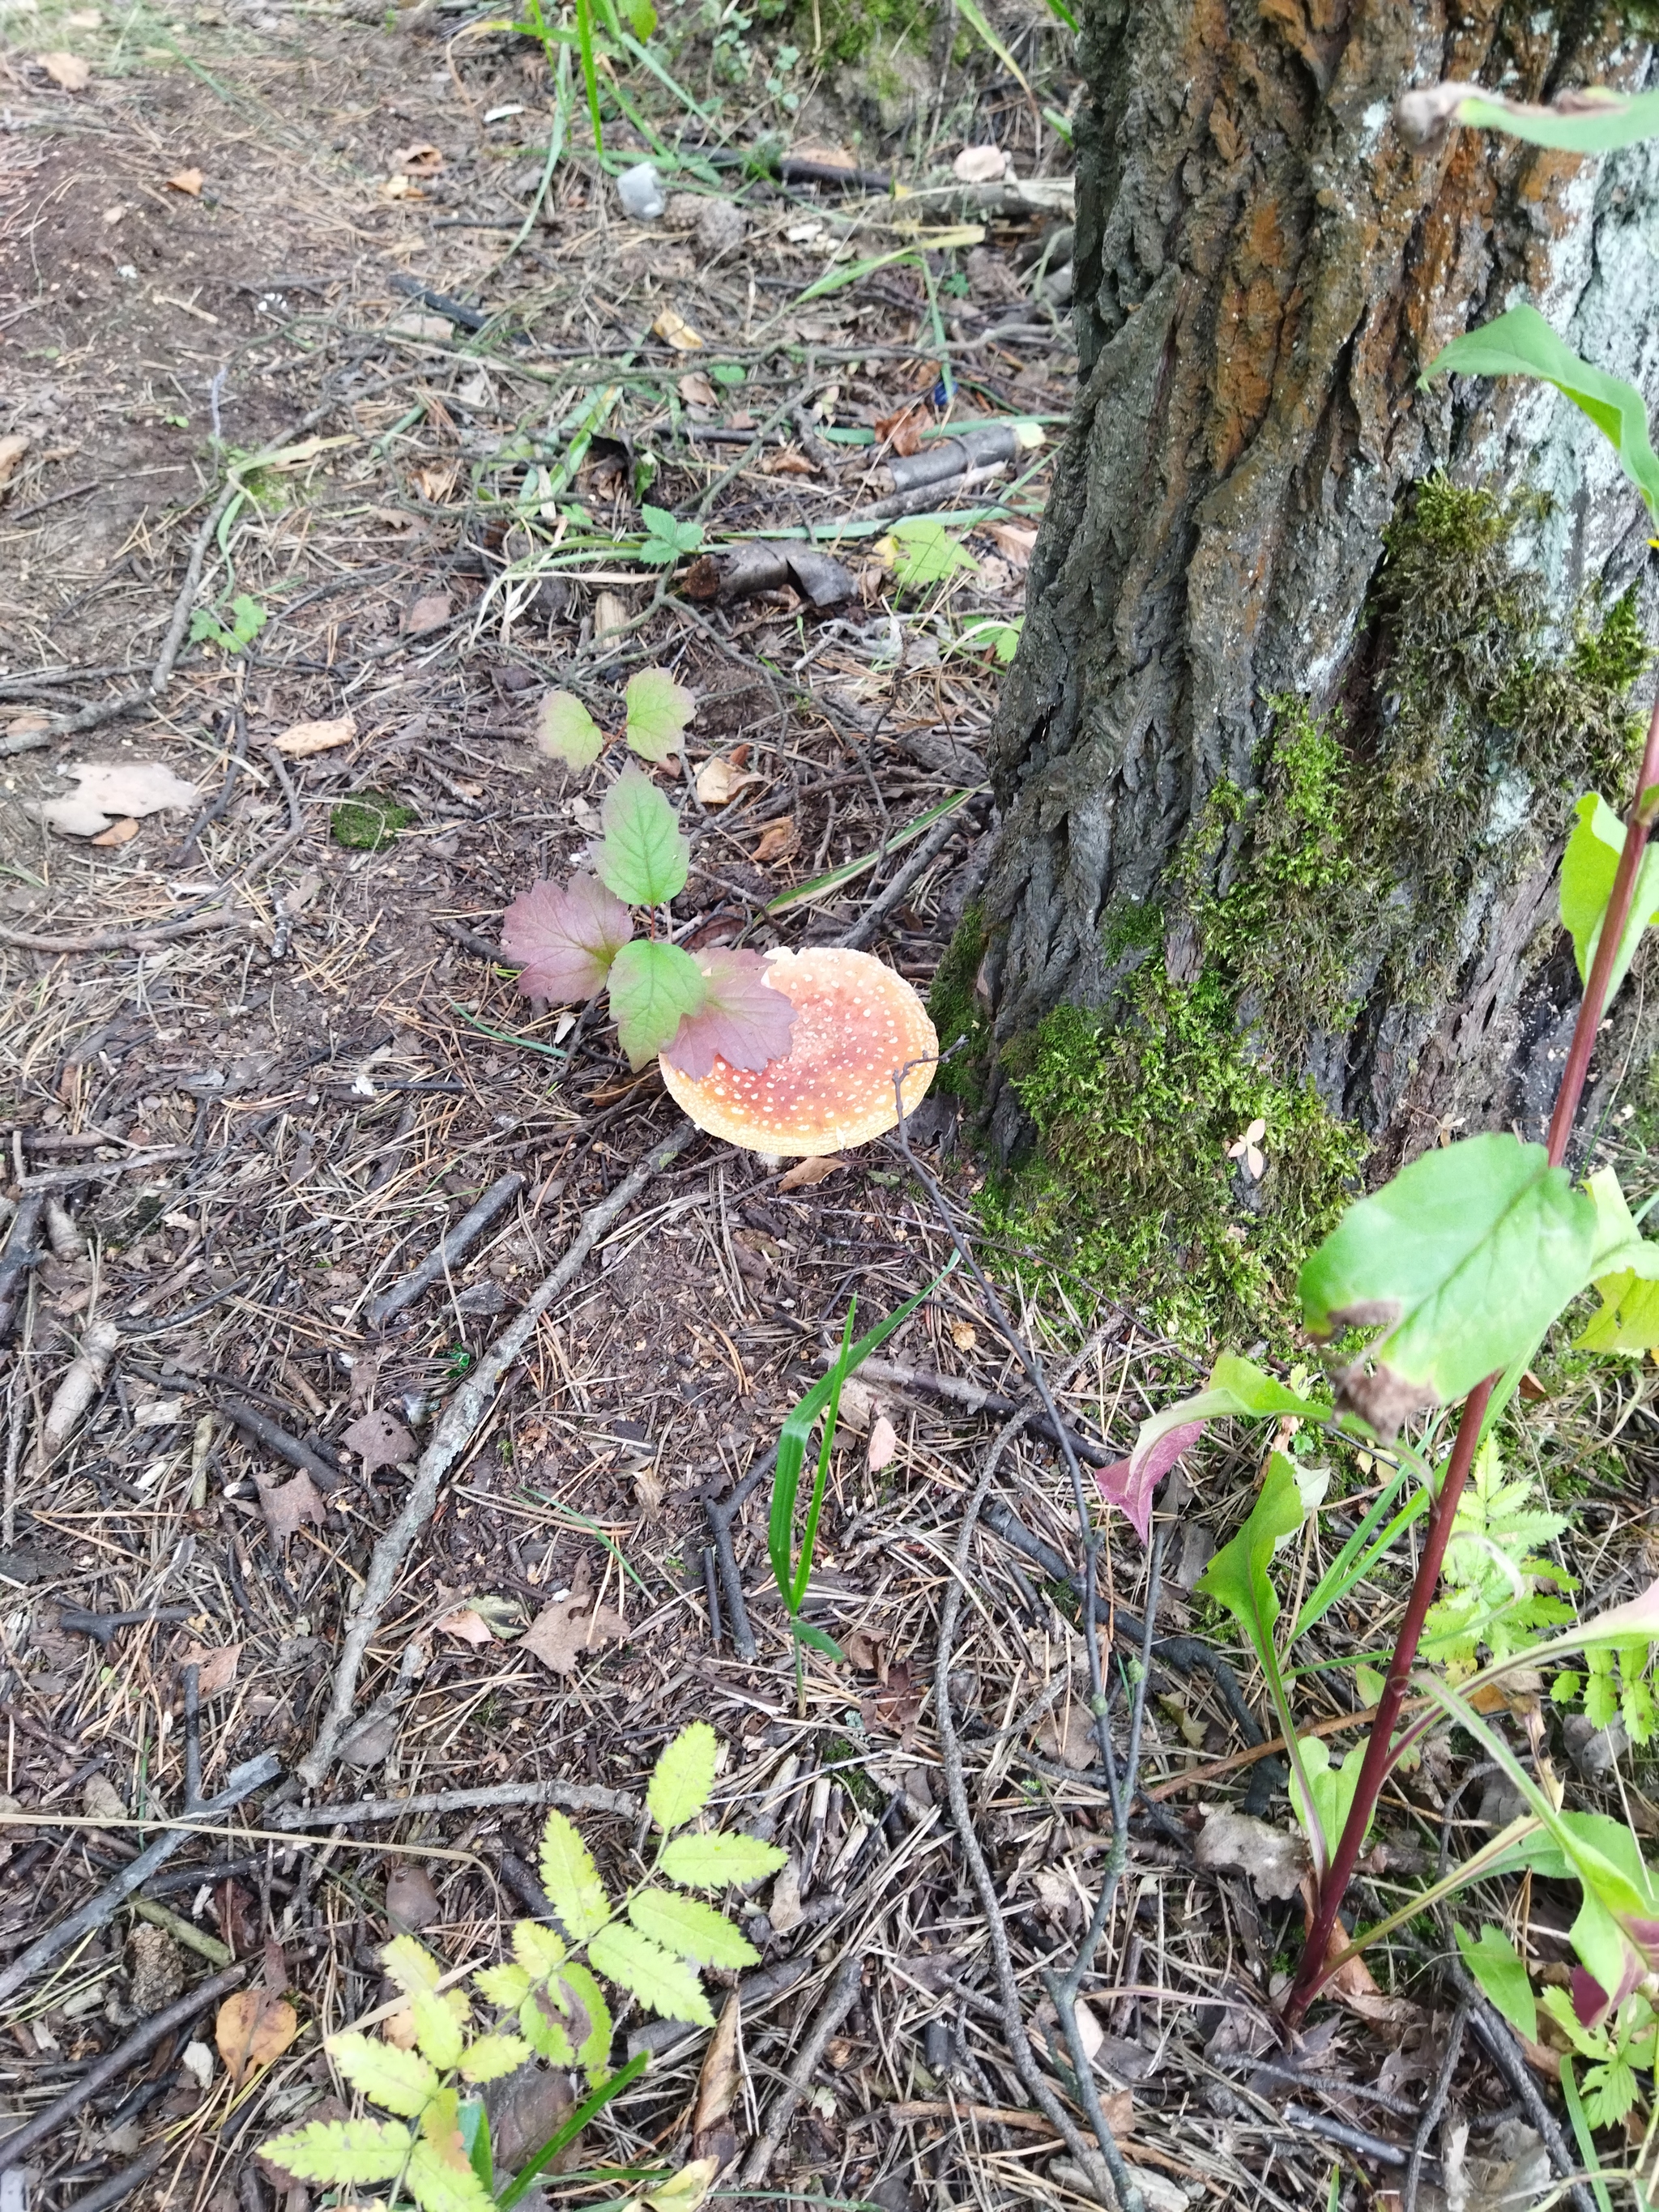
{"x": 654, "y": 987}
{"x": 401, "y": 2080}
{"x": 659, "y": 1980}
{"x": 1595, "y": 118}
{"x": 667, "y": 540}
{"x": 1501, "y": 1974}
{"x": 540, "y": 1951}
{"x": 573, "y": 1884}
{"x": 1522, "y": 343}
{"x": 682, "y": 1777}
{"x": 566, "y": 732}
{"x": 1587, "y": 868}
{"x": 643, "y": 859}
{"x": 410, "y": 1966}
{"x": 564, "y": 937}
{"x": 658, "y": 711}
{"x": 507, "y": 1984}
{"x": 340, "y": 2152}
{"x": 1333, "y": 1788}
{"x": 437, "y": 2031}
{"x": 490, "y": 2057}
{"x": 925, "y": 553}
{"x": 692, "y": 1930}
{"x": 1461, "y": 1263}
{"x": 594, "y": 2051}
{"x": 719, "y": 1862}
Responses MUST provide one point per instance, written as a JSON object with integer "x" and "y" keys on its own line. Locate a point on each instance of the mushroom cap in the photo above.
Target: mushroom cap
{"x": 857, "y": 1023}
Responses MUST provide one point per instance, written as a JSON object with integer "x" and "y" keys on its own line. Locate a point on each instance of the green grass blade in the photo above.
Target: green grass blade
{"x": 595, "y": 2101}
{"x": 1586, "y": 2141}
{"x": 826, "y": 1445}
{"x": 821, "y": 886}
{"x": 1337, "y": 1580}
{"x": 973, "y": 16}
{"x": 590, "y": 74}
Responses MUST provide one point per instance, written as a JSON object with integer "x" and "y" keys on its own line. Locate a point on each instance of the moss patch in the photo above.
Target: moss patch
{"x": 369, "y": 820}
{"x": 957, "y": 1014}
{"x": 850, "y": 28}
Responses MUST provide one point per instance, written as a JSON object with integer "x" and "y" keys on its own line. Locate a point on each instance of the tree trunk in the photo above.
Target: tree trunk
{"x": 1315, "y": 662}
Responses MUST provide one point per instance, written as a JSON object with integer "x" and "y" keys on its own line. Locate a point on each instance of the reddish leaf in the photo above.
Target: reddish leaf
{"x": 566, "y": 935}
{"x": 1129, "y": 1483}
{"x": 743, "y": 1020}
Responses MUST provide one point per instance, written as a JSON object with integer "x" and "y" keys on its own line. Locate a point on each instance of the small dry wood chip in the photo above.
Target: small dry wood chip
{"x": 302, "y": 739}
{"x": 883, "y": 1445}
{"x": 186, "y": 180}
{"x": 380, "y": 1440}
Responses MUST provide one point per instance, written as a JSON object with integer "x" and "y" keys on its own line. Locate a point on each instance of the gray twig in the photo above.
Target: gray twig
{"x": 1433, "y": 2110}
{"x": 955, "y": 1391}
{"x": 457, "y": 1425}
{"x": 571, "y": 1796}
{"x": 19, "y": 1255}
{"x": 437, "y": 1263}
{"x": 916, "y": 867}
{"x": 835, "y": 2009}
{"x": 16, "y": 2148}
{"x": 243, "y": 1781}
{"x": 275, "y": 1438}
{"x": 722, "y": 1513}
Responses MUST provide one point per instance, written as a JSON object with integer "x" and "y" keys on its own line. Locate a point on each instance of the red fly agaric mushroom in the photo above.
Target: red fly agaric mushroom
{"x": 856, "y": 1024}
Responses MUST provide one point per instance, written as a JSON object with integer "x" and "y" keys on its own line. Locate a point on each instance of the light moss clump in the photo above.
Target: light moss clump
{"x": 957, "y": 1014}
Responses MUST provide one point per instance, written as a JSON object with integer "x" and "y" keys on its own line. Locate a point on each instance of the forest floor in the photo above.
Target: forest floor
{"x": 262, "y": 1058}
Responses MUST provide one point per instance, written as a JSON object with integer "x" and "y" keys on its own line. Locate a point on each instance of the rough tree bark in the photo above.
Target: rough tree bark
{"x": 1264, "y": 266}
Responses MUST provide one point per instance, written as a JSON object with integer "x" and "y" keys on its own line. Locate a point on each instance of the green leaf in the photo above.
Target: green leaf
{"x": 660, "y": 1981}
{"x": 410, "y": 1966}
{"x": 683, "y": 1776}
{"x": 719, "y": 1862}
{"x": 667, "y": 539}
{"x": 927, "y": 554}
{"x": 540, "y": 1951}
{"x": 593, "y": 2052}
{"x": 690, "y": 1930}
{"x": 341, "y": 2151}
{"x": 816, "y": 1640}
{"x": 643, "y": 859}
{"x": 572, "y": 1883}
{"x": 566, "y": 731}
{"x": 437, "y": 2031}
{"x": 474, "y": 2123}
{"x": 491, "y": 2056}
{"x": 658, "y": 711}
{"x": 654, "y": 987}
{"x": 1464, "y": 1259}
{"x": 1599, "y": 121}
{"x": 1587, "y": 868}
{"x": 1502, "y": 1975}
{"x": 401, "y": 2080}
{"x": 1522, "y": 343}
{"x": 973, "y": 16}
{"x": 542, "y": 2031}
{"x": 441, "y": 2184}
{"x": 506, "y": 1984}
{"x": 1332, "y": 1788}
{"x": 1609, "y": 2091}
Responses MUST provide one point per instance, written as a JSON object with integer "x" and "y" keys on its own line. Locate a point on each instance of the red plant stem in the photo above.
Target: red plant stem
{"x": 1379, "y": 1750}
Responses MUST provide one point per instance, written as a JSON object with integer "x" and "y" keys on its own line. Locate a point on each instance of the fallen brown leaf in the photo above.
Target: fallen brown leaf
{"x": 696, "y": 390}
{"x": 187, "y": 180}
{"x": 400, "y": 188}
{"x": 673, "y": 329}
{"x": 217, "y": 1667}
{"x": 979, "y": 165}
{"x": 380, "y": 1440}
{"x": 117, "y": 788}
{"x": 118, "y": 833}
{"x": 289, "y": 1505}
{"x": 806, "y": 1172}
{"x": 1068, "y": 1738}
{"x": 902, "y": 431}
{"x": 252, "y": 2028}
{"x": 712, "y": 2136}
{"x": 302, "y": 739}
{"x": 562, "y": 1633}
{"x": 777, "y": 840}
{"x": 12, "y": 450}
{"x": 785, "y": 1910}
{"x": 833, "y": 157}
{"x": 429, "y": 612}
{"x": 1015, "y": 543}
{"x": 963, "y": 1336}
{"x": 470, "y": 1626}
{"x": 719, "y": 781}
{"x": 66, "y": 69}
{"x": 1276, "y": 1861}
{"x": 791, "y": 462}
{"x": 417, "y": 160}
{"x": 883, "y": 1445}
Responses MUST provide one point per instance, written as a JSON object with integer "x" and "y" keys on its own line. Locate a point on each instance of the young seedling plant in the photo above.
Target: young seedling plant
{"x": 1457, "y": 1269}
{"x": 576, "y": 939}
{"x": 434, "y": 2150}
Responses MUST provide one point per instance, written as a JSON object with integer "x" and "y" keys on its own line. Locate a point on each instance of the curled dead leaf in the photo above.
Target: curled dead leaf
{"x": 695, "y": 390}
{"x": 979, "y": 165}
{"x": 411, "y": 1902}
{"x": 118, "y": 833}
{"x": 426, "y": 614}
{"x": 252, "y": 2028}
{"x": 417, "y": 160}
{"x": 189, "y": 181}
{"x": 673, "y": 328}
{"x": 712, "y": 2136}
{"x": 66, "y": 69}
{"x": 562, "y": 1633}
{"x": 13, "y": 447}
{"x": 806, "y": 1172}
{"x": 720, "y": 780}
{"x": 1275, "y": 1860}
{"x": 217, "y": 1668}
{"x": 777, "y": 840}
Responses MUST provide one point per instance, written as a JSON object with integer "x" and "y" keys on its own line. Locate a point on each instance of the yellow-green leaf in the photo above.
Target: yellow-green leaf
{"x": 683, "y": 1776}
{"x": 572, "y": 1881}
{"x": 437, "y": 2184}
{"x": 437, "y": 2031}
{"x": 341, "y": 2151}
{"x": 506, "y": 1984}
{"x": 593, "y": 2052}
{"x": 538, "y": 1949}
{"x": 410, "y": 1966}
{"x": 492, "y": 2056}
{"x": 692, "y": 1930}
{"x": 658, "y": 1980}
{"x": 716, "y": 1862}
{"x": 542, "y": 2031}
{"x": 402, "y": 2081}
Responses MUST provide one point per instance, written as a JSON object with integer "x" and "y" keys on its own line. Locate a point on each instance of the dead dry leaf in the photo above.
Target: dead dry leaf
{"x": 901, "y": 431}
{"x": 777, "y": 840}
{"x": 791, "y": 462}
{"x": 118, "y": 833}
{"x": 1275, "y": 1860}
{"x": 1014, "y": 541}
{"x": 685, "y": 2191}
{"x": 719, "y": 781}
{"x": 417, "y": 160}
{"x": 115, "y": 790}
{"x": 217, "y": 1667}
{"x": 289, "y": 1506}
{"x": 1068, "y": 1737}
{"x": 187, "y": 180}
{"x": 302, "y": 739}
{"x": 66, "y": 69}
{"x": 696, "y": 390}
{"x": 429, "y": 612}
{"x": 712, "y": 2136}
{"x": 435, "y": 481}
{"x": 12, "y": 450}
{"x": 963, "y": 1336}
{"x": 883, "y": 1445}
{"x": 979, "y": 165}
{"x": 671, "y": 327}
{"x": 806, "y": 1173}
{"x": 785, "y": 1913}
{"x": 400, "y": 188}
{"x": 252, "y": 2028}
{"x": 101, "y": 1800}
{"x": 563, "y": 1633}
{"x": 380, "y": 1440}
{"x": 470, "y": 1626}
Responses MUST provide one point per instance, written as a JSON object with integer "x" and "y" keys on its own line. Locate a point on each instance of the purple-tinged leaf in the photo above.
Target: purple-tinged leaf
{"x": 1128, "y": 1483}
{"x": 743, "y": 1020}
{"x": 565, "y": 936}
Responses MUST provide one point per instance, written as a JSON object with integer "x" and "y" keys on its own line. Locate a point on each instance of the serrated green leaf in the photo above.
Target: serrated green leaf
{"x": 543, "y": 2032}
{"x": 437, "y": 2031}
{"x": 658, "y": 711}
{"x": 1587, "y": 868}
{"x": 491, "y": 2056}
{"x": 593, "y": 2052}
{"x": 341, "y": 2151}
{"x": 540, "y": 1950}
{"x": 1522, "y": 343}
{"x": 571, "y": 1880}
{"x": 410, "y": 1966}
{"x": 927, "y": 554}
{"x": 566, "y": 731}
{"x": 643, "y": 859}
{"x": 659, "y": 1981}
{"x": 683, "y": 1776}
{"x": 719, "y": 1862}
{"x": 692, "y": 1930}
{"x": 438, "y": 2184}
{"x": 401, "y": 2080}
{"x": 506, "y": 1984}
{"x": 654, "y": 987}
{"x": 1502, "y": 1975}
{"x": 1463, "y": 1260}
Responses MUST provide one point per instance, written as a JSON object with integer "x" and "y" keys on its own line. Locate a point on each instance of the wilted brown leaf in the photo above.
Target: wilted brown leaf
{"x": 302, "y": 739}
{"x": 252, "y": 2028}
{"x": 719, "y": 781}
{"x": 883, "y": 1447}
{"x": 777, "y": 840}
{"x": 902, "y": 431}
{"x": 417, "y": 160}
{"x": 218, "y": 1668}
{"x": 790, "y": 462}
{"x": 429, "y": 612}
{"x": 963, "y": 1336}
{"x": 1014, "y": 541}
{"x": 671, "y": 327}
{"x": 785, "y": 1909}
{"x": 1068, "y": 1738}
{"x": 470, "y": 1626}
{"x": 13, "y": 447}
{"x": 561, "y": 1634}
{"x": 66, "y": 69}
{"x": 380, "y": 1440}
{"x": 118, "y": 833}
{"x": 1274, "y": 1860}
{"x": 289, "y": 1506}
{"x": 187, "y": 180}
{"x": 804, "y": 1173}
{"x": 712, "y": 2136}
{"x": 696, "y": 390}
{"x": 979, "y": 165}
{"x": 832, "y": 157}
